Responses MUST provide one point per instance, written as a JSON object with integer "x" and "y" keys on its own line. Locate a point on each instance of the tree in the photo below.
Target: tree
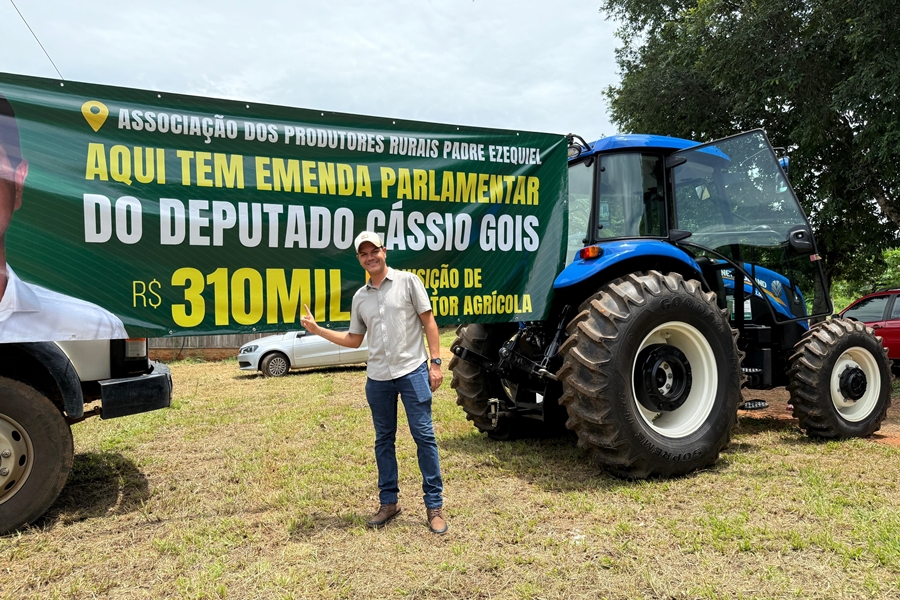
{"x": 820, "y": 76}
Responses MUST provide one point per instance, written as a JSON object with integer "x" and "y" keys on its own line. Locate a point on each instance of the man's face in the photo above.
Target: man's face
{"x": 11, "y": 182}
{"x": 372, "y": 258}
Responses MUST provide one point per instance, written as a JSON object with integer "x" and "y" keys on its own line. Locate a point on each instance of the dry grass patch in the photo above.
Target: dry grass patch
{"x": 260, "y": 488}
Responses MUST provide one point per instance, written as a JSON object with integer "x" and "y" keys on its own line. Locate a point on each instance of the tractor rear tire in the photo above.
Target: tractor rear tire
{"x": 36, "y": 454}
{"x": 475, "y": 387}
{"x": 651, "y": 376}
{"x": 840, "y": 380}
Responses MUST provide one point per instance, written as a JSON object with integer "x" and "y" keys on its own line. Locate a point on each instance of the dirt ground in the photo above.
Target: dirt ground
{"x": 778, "y": 398}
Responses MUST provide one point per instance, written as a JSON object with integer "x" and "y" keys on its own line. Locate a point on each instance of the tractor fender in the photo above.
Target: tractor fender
{"x": 649, "y": 253}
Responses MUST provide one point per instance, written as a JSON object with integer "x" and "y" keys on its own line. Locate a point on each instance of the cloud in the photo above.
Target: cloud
{"x": 527, "y": 65}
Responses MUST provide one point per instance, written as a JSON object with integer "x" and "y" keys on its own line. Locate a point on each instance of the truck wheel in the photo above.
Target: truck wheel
{"x": 651, "y": 376}
{"x": 36, "y": 454}
{"x": 475, "y": 387}
{"x": 839, "y": 380}
{"x": 275, "y": 364}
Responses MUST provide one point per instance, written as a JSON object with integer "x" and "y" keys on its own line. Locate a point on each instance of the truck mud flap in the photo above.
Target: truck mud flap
{"x": 132, "y": 395}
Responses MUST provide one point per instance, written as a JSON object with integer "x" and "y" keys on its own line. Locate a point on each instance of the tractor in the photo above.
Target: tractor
{"x": 691, "y": 272}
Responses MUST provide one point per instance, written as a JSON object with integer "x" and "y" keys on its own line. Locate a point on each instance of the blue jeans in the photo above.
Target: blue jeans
{"x": 415, "y": 392}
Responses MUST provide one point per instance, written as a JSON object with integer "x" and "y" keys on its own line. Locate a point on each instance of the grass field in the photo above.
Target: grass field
{"x": 260, "y": 488}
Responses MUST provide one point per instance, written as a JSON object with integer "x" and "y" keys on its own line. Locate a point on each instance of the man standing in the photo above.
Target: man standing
{"x": 393, "y": 308}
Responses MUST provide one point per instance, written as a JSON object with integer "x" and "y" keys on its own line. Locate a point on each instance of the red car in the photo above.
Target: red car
{"x": 881, "y": 312}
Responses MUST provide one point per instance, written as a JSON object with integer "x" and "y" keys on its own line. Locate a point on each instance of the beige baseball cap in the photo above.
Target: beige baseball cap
{"x": 367, "y": 236}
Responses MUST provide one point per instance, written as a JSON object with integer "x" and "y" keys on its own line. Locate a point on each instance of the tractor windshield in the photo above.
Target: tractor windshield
{"x": 734, "y": 192}
{"x": 734, "y": 199}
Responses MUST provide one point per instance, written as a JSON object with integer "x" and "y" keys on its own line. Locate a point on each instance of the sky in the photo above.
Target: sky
{"x": 528, "y": 65}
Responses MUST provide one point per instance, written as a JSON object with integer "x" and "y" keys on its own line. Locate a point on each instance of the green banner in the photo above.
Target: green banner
{"x": 182, "y": 215}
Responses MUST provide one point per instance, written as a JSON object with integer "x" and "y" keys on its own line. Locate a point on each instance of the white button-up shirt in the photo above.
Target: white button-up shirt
{"x": 390, "y": 315}
{"x": 30, "y": 313}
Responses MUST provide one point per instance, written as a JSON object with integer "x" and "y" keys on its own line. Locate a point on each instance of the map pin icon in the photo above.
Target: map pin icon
{"x": 95, "y": 114}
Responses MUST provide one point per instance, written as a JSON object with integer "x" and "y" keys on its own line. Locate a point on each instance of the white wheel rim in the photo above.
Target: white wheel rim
{"x": 848, "y": 409}
{"x": 16, "y": 457}
{"x": 691, "y": 415}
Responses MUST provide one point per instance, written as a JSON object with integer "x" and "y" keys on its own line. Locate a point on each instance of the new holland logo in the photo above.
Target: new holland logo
{"x": 776, "y": 287}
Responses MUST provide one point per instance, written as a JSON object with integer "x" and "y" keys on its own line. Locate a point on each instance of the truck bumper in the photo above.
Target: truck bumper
{"x": 132, "y": 395}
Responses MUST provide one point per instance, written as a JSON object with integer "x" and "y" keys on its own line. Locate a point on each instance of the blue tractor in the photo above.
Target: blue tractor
{"x": 691, "y": 273}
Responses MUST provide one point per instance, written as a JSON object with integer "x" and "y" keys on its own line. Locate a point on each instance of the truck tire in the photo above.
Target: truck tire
{"x": 651, "y": 376}
{"x": 36, "y": 454}
{"x": 839, "y": 380}
{"x": 475, "y": 387}
{"x": 275, "y": 364}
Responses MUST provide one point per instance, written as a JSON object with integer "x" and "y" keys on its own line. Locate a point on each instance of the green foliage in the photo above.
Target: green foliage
{"x": 819, "y": 75}
{"x": 844, "y": 292}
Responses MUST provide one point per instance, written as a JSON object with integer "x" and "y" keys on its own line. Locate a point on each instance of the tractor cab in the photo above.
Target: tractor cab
{"x": 726, "y": 212}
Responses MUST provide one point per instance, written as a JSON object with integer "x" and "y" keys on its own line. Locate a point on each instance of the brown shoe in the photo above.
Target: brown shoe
{"x": 385, "y": 513}
{"x": 436, "y": 520}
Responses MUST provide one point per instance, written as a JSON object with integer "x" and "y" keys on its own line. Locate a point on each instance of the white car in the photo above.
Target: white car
{"x": 275, "y": 355}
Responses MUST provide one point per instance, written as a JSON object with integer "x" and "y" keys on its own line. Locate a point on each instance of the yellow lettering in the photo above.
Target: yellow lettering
{"x": 483, "y": 188}
{"x": 160, "y": 166}
{"x": 229, "y": 173}
{"x": 285, "y": 177}
{"x": 335, "y": 310}
{"x": 203, "y": 169}
{"x": 186, "y": 156}
{"x": 432, "y": 197}
{"x": 404, "y": 187}
{"x": 344, "y": 180}
{"x": 309, "y": 178}
{"x": 240, "y": 282}
{"x": 420, "y": 184}
{"x": 319, "y": 310}
{"x": 363, "y": 181}
{"x": 96, "y": 163}
{"x": 388, "y": 178}
{"x": 327, "y": 183}
{"x": 278, "y": 296}
{"x": 533, "y": 196}
{"x": 263, "y": 173}
{"x": 465, "y": 187}
{"x": 143, "y": 167}
{"x": 519, "y": 197}
{"x": 447, "y": 186}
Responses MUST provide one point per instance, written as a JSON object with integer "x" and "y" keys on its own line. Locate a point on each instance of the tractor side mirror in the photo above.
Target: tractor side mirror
{"x": 800, "y": 239}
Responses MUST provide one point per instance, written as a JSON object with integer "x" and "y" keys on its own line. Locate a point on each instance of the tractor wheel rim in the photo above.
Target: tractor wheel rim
{"x": 696, "y": 407}
{"x": 855, "y": 362}
{"x": 16, "y": 457}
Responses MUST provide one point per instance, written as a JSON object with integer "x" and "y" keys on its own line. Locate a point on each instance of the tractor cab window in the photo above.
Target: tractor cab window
{"x": 631, "y": 199}
{"x": 581, "y": 190}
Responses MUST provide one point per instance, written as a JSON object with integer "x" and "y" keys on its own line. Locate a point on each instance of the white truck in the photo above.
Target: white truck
{"x": 45, "y": 387}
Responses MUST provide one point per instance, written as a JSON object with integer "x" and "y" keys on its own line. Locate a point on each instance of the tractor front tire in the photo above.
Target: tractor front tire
{"x": 840, "y": 380}
{"x": 651, "y": 376}
{"x": 475, "y": 387}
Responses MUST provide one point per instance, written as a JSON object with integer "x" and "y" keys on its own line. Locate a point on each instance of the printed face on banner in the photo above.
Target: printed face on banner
{"x": 12, "y": 179}
{"x": 184, "y": 215}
